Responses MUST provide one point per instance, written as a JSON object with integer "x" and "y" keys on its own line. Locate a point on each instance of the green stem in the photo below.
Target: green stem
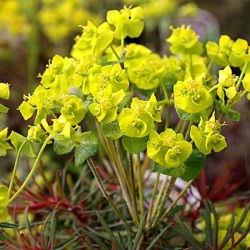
{"x": 123, "y": 180}
{"x": 164, "y": 199}
{"x": 163, "y": 89}
{"x": 167, "y": 101}
{"x": 178, "y": 126}
{"x": 152, "y": 200}
{"x": 120, "y": 163}
{"x": 213, "y": 88}
{"x": 105, "y": 194}
{"x": 241, "y": 75}
{"x": 175, "y": 202}
{"x": 209, "y": 65}
{"x": 133, "y": 189}
{"x": 159, "y": 197}
{"x": 32, "y": 169}
{"x": 140, "y": 184}
{"x": 183, "y": 126}
{"x": 242, "y": 94}
{"x": 122, "y": 42}
{"x": 15, "y": 167}
{"x": 188, "y": 130}
{"x": 114, "y": 51}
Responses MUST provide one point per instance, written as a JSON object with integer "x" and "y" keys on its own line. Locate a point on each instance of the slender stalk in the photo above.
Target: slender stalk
{"x": 140, "y": 184}
{"x": 122, "y": 42}
{"x": 104, "y": 192}
{"x": 209, "y": 65}
{"x": 15, "y": 167}
{"x": 121, "y": 165}
{"x": 164, "y": 90}
{"x": 164, "y": 199}
{"x": 145, "y": 164}
{"x": 33, "y": 169}
{"x": 213, "y": 88}
{"x": 127, "y": 186}
{"x": 112, "y": 154}
{"x": 159, "y": 196}
{"x": 133, "y": 189}
{"x": 114, "y": 51}
{"x": 241, "y": 75}
{"x": 175, "y": 202}
{"x": 168, "y": 117}
{"x": 167, "y": 101}
{"x": 183, "y": 126}
{"x": 188, "y": 131}
{"x": 152, "y": 200}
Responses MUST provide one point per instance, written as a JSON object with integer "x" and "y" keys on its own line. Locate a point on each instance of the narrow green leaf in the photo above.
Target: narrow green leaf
{"x": 227, "y": 237}
{"x": 207, "y": 218}
{"x": 139, "y": 233}
{"x": 243, "y": 217}
{"x": 110, "y": 233}
{"x": 96, "y": 239}
{"x": 183, "y": 225}
{"x": 129, "y": 237}
{"x": 8, "y": 225}
{"x": 121, "y": 240}
{"x": 214, "y": 238}
{"x": 191, "y": 240}
{"x": 64, "y": 244}
{"x": 158, "y": 237}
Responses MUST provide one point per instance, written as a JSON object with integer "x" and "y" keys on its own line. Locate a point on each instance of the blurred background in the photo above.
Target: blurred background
{"x": 33, "y": 31}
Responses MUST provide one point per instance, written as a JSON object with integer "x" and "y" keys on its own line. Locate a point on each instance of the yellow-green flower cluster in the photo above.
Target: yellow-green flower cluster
{"x": 12, "y": 19}
{"x": 192, "y": 96}
{"x": 184, "y": 41}
{"x": 207, "y": 136}
{"x": 108, "y": 88}
{"x": 60, "y": 18}
{"x": 138, "y": 121}
{"x": 168, "y": 148}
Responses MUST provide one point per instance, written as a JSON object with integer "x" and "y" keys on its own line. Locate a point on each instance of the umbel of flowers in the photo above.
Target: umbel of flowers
{"x": 113, "y": 100}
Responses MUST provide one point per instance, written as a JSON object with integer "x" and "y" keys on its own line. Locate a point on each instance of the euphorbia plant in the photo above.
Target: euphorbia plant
{"x": 111, "y": 104}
